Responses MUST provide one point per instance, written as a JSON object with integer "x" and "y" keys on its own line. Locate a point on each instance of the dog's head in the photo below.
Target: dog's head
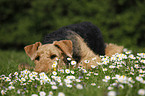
{"x": 45, "y": 55}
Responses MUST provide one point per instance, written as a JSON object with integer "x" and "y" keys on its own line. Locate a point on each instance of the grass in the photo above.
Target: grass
{"x": 121, "y": 75}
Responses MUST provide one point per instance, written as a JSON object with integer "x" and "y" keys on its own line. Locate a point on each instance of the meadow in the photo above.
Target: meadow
{"x": 120, "y": 75}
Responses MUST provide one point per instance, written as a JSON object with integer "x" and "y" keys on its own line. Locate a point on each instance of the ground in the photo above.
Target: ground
{"x": 120, "y": 75}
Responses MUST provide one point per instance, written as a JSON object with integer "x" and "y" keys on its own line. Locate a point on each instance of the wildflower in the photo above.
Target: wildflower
{"x": 67, "y": 81}
{"x": 125, "y": 50}
{"x": 26, "y": 71}
{"x": 73, "y": 62}
{"x": 42, "y": 82}
{"x": 107, "y": 77}
{"x": 105, "y": 69}
{"x": 84, "y": 71}
{"x": 55, "y": 62}
{"x": 42, "y": 74}
{"x": 140, "y": 71}
{"x": 86, "y": 77}
{"x": 99, "y": 63}
{"x": 79, "y": 86}
{"x": 80, "y": 77}
{"x": 53, "y": 83}
{"x": 94, "y": 58}
{"x": 11, "y": 87}
{"x": 54, "y": 87}
{"x": 54, "y": 73}
{"x": 67, "y": 71}
{"x": 93, "y": 84}
{"x": 29, "y": 80}
{"x": 23, "y": 79}
{"x": 91, "y": 72}
{"x": 70, "y": 77}
{"x": 68, "y": 85}
{"x": 136, "y": 65}
{"x": 11, "y": 83}
{"x": 131, "y": 56}
{"x": 105, "y": 58}
{"x": 141, "y": 92}
{"x": 26, "y": 77}
{"x": 105, "y": 62}
{"x": 86, "y": 61}
{"x": 60, "y": 84}
{"x": 54, "y": 65}
{"x": 18, "y": 91}
{"x": 78, "y": 80}
{"x": 34, "y": 73}
{"x": 3, "y": 92}
{"x": 143, "y": 81}
{"x": 111, "y": 66}
{"x": 132, "y": 69}
{"x": 95, "y": 73}
{"x": 128, "y": 52}
{"x": 118, "y": 66}
{"x": 142, "y": 61}
{"x": 130, "y": 85}
{"x": 104, "y": 80}
{"x": 114, "y": 84}
{"x": 93, "y": 66}
{"x": 72, "y": 72}
{"x": 61, "y": 94}
{"x": 7, "y": 79}
{"x": 68, "y": 59}
{"x": 141, "y": 54}
{"x": 50, "y": 93}
{"x": 59, "y": 80}
{"x": 31, "y": 76}
{"x": 139, "y": 78}
{"x": 37, "y": 79}
{"x": 130, "y": 80}
{"x": 16, "y": 73}
{"x": 88, "y": 74}
{"x": 42, "y": 93}
{"x": 112, "y": 93}
{"x": 121, "y": 86}
{"x": 61, "y": 70}
{"x": 110, "y": 88}
{"x": 44, "y": 78}
{"x": 113, "y": 58}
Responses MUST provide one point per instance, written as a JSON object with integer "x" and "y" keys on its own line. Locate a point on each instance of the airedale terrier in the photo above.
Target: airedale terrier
{"x": 80, "y": 42}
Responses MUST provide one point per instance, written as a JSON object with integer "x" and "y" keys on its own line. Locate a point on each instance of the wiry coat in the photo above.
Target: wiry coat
{"x": 90, "y": 34}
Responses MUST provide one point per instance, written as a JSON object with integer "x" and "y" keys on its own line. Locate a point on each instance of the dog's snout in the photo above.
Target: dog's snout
{"x": 37, "y": 58}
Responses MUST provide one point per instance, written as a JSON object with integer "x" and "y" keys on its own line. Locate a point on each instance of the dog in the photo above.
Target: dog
{"x": 80, "y": 42}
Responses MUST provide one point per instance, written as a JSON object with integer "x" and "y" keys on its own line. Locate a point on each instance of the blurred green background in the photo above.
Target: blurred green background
{"x": 24, "y": 22}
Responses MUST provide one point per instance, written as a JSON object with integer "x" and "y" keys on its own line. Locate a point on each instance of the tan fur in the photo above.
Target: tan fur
{"x": 64, "y": 47}
{"x": 111, "y": 49}
{"x": 87, "y": 54}
{"x": 44, "y": 53}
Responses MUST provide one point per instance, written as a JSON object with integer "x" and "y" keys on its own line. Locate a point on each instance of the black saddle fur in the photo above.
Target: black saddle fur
{"x": 89, "y": 32}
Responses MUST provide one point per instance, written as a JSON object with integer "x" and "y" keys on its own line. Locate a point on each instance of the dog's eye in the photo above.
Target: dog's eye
{"x": 37, "y": 58}
{"x": 53, "y": 56}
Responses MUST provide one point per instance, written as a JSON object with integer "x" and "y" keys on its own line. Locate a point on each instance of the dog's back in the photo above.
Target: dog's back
{"x": 86, "y": 30}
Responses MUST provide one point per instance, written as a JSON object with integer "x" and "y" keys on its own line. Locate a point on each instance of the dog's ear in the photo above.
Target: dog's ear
{"x": 65, "y": 46}
{"x": 32, "y": 49}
